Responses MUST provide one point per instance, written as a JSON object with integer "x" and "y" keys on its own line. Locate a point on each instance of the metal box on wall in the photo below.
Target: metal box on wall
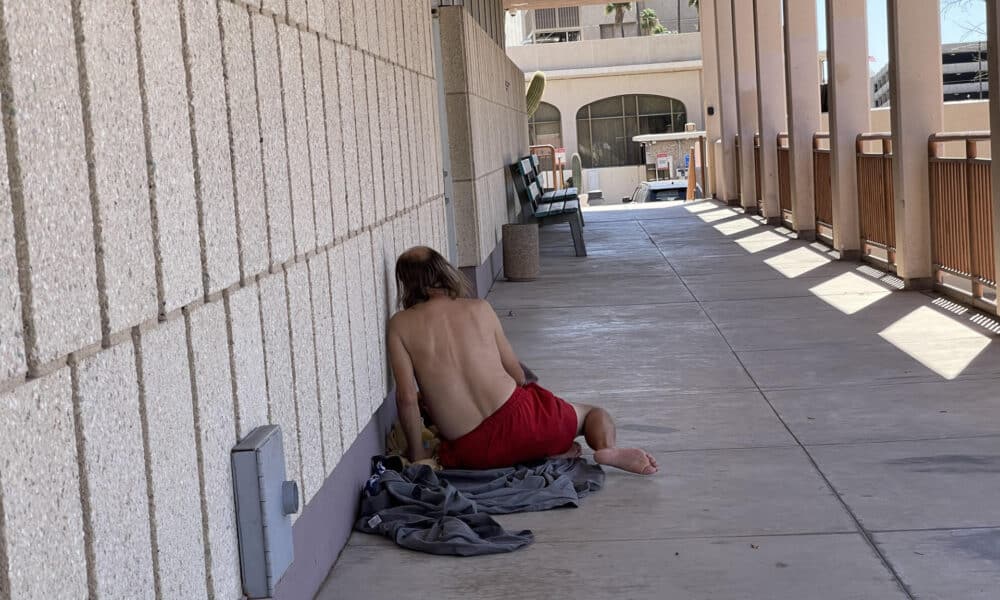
{"x": 264, "y": 501}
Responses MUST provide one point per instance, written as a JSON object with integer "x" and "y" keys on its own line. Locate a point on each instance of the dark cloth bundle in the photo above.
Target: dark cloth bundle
{"x": 448, "y": 512}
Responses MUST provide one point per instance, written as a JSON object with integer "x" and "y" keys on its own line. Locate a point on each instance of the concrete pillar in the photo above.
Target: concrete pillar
{"x": 567, "y": 121}
{"x": 850, "y": 101}
{"x": 803, "y": 110}
{"x": 993, "y": 31}
{"x": 917, "y": 106}
{"x": 746, "y": 98}
{"x": 726, "y": 166}
{"x": 710, "y": 90}
{"x": 770, "y": 100}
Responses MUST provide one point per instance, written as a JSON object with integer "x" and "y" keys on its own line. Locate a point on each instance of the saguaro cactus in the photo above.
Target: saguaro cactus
{"x": 576, "y": 164}
{"x": 534, "y": 93}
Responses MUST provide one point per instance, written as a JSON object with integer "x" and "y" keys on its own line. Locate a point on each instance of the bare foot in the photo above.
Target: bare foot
{"x": 632, "y": 460}
{"x": 574, "y": 452}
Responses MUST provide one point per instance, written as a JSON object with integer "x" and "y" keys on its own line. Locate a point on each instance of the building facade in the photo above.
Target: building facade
{"x": 964, "y": 71}
{"x": 600, "y": 93}
{"x": 594, "y": 22}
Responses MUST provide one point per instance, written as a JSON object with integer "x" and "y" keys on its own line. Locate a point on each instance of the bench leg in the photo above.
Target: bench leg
{"x": 576, "y": 228}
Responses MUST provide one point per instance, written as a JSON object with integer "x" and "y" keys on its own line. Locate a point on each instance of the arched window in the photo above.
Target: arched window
{"x": 605, "y": 128}
{"x": 545, "y": 126}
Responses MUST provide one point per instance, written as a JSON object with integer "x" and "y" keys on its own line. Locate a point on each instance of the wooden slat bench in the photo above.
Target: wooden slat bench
{"x": 546, "y": 208}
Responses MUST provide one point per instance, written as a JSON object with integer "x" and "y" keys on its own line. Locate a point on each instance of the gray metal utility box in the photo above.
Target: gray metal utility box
{"x": 264, "y": 501}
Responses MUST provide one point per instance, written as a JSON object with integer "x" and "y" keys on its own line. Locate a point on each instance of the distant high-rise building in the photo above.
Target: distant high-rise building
{"x": 964, "y": 73}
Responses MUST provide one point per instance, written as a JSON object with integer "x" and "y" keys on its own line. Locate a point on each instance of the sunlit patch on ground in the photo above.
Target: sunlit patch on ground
{"x": 638, "y": 206}
{"x": 717, "y": 215}
{"x": 736, "y": 226}
{"x": 701, "y": 207}
{"x": 936, "y": 340}
{"x": 850, "y": 292}
{"x": 796, "y": 262}
{"x": 761, "y": 241}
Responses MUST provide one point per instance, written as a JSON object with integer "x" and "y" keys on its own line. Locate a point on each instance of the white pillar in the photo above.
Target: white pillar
{"x": 802, "y": 91}
{"x": 567, "y": 123}
{"x": 770, "y": 100}
{"x": 710, "y": 89}
{"x": 746, "y": 98}
{"x": 726, "y": 167}
{"x": 916, "y": 100}
{"x": 850, "y": 114}
{"x": 993, "y": 29}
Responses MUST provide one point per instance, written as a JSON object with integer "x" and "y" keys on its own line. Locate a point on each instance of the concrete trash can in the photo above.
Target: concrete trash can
{"x": 520, "y": 251}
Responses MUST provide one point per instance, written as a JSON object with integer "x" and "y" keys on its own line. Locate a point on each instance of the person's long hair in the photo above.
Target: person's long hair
{"x": 420, "y": 270}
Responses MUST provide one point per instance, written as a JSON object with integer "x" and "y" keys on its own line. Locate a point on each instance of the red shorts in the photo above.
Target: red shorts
{"x": 531, "y": 425}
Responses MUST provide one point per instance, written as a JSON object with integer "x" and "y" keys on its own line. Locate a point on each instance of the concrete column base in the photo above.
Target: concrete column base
{"x": 850, "y": 255}
{"x": 734, "y": 202}
{"x": 918, "y": 284}
{"x": 806, "y": 235}
{"x": 750, "y": 210}
{"x": 481, "y": 278}
{"x": 773, "y": 221}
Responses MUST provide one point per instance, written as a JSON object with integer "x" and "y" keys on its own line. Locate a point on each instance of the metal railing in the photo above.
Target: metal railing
{"x": 961, "y": 215}
{"x": 785, "y": 178}
{"x": 876, "y": 200}
{"x": 739, "y": 168}
{"x": 547, "y": 162}
{"x": 756, "y": 168}
{"x": 822, "y": 189}
{"x": 739, "y": 165}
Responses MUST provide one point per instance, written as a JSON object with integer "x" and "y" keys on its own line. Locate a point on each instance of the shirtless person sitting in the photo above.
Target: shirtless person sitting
{"x": 473, "y": 385}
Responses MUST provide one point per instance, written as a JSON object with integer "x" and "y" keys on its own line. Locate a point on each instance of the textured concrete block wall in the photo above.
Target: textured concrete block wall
{"x": 487, "y": 129}
{"x": 199, "y": 218}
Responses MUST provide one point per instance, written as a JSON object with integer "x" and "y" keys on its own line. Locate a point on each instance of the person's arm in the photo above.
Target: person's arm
{"x": 407, "y": 396}
{"x": 511, "y": 364}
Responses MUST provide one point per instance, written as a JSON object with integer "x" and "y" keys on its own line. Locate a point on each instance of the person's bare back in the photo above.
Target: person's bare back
{"x": 451, "y": 344}
{"x": 452, "y": 351}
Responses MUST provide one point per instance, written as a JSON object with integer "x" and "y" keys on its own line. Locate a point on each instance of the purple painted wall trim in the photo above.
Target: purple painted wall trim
{"x": 326, "y": 522}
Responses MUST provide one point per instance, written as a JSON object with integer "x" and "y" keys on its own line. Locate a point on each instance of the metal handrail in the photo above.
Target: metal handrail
{"x": 817, "y": 138}
{"x": 961, "y": 213}
{"x": 971, "y": 139}
{"x": 557, "y": 180}
{"x": 958, "y": 136}
{"x": 884, "y": 136}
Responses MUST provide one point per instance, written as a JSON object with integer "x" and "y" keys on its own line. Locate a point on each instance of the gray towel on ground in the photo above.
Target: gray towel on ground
{"x": 447, "y": 512}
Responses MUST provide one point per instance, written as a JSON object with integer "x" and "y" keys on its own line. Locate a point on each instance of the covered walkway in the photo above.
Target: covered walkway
{"x": 820, "y": 434}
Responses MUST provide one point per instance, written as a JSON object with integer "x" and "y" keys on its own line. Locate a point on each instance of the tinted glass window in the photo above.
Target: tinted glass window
{"x": 605, "y": 128}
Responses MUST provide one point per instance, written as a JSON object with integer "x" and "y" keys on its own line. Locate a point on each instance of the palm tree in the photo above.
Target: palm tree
{"x": 648, "y": 21}
{"x": 619, "y": 8}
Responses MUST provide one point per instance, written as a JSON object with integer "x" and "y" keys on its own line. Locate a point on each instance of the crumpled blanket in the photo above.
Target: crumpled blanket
{"x": 448, "y": 512}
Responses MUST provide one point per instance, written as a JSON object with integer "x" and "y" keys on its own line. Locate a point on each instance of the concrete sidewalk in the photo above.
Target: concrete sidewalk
{"x": 820, "y": 435}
